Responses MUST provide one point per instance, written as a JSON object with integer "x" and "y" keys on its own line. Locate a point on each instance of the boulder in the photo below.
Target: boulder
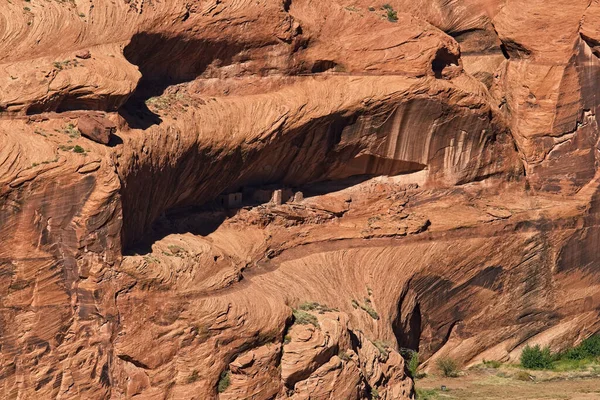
{"x": 84, "y": 54}
{"x": 96, "y": 128}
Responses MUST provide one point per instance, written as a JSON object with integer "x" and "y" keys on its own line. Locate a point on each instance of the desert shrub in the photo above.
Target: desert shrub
{"x": 194, "y": 376}
{"x": 372, "y": 313}
{"x": 176, "y": 250}
{"x": 366, "y": 307}
{"x": 304, "y": 318}
{"x": 536, "y": 357}
{"x": 382, "y": 347}
{"x": 72, "y": 131}
{"x": 78, "y": 149}
{"x": 314, "y": 306}
{"x": 151, "y": 259}
{"x": 413, "y": 364}
{"x": 374, "y": 394}
{"x": 522, "y": 376}
{"x": 492, "y": 363}
{"x": 309, "y": 306}
{"x": 391, "y": 14}
{"x": 447, "y": 367}
{"x": 224, "y": 381}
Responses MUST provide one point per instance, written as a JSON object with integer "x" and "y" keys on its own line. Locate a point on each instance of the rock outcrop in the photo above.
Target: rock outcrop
{"x": 446, "y": 152}
{"x": 96, "y": 128}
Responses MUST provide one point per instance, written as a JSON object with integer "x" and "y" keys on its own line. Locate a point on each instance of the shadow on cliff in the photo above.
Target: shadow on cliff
{"x": 331, "y": 186}
{"x": 165, "y": 61}
{"x": 202, "y": 220}
{"x": 434, "y": 303}
{"x": 199, "y": 221}
{"x": 312, "y": 153}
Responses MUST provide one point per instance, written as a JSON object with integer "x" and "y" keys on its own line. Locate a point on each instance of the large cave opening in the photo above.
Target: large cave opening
{"x": 443, "y": 58}
{"x": 323, "y": 156}
{"x": 164, "y": 61}
{"x": 407, "y": 325}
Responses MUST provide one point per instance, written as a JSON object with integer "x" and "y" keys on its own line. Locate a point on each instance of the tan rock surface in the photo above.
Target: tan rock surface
{"x": 446, "y": 152}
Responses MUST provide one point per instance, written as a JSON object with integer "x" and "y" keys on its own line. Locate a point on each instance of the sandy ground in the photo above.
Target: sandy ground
{"x": 502, "y": 383}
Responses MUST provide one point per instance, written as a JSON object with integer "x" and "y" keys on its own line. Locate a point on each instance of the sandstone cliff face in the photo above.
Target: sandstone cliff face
{"x": 447, "y": 152}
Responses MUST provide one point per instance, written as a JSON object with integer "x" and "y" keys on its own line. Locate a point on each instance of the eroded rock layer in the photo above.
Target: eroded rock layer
{"x": 267, "y": 200}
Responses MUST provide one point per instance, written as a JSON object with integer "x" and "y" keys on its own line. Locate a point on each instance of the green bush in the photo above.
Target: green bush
{"x": 78, "y": 149}
{"x": 314, "y": 306}
{"x": 391, "y": 14}
{"x": 374, "y": 394}
{"x": 372, "y": 313}
{"x": 536, "y": 357}
{"x": 304, "y": 318}
{"x": 589, "y": 348}
{"x": 366, "y": 307}
{"x": 592, "y": 345}
{"x": 224, "y": 381}
{"x": 492, "y": 363}
{"x": 576, "y": 353}
{"x": 176, "y": 250}
{"x": 383, "y": 348}
{"x": 413, "y": 364}
{"x": 447, "y": 367}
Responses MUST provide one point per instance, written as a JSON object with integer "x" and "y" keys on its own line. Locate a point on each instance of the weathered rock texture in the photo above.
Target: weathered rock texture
{"x": 447, "y": 152}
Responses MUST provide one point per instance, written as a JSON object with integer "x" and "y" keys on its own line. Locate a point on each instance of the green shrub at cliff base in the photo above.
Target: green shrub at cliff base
{"x": 224, "y": 381}
{"x": 448, "y": 367}
{"x": 492, "y": 364}
{"x": 587, "y": 352}
{"x": 536, "y": 357}
{"x": 304, "y": 318}
{"x": 589, "y": 348}
{"x": 413, "y": 364}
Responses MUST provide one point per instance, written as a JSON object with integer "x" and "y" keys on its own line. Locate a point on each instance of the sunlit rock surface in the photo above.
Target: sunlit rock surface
{"x": 437, "y": 168}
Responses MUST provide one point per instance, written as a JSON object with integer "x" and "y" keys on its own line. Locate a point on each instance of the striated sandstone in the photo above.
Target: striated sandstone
{"x": 447, "y": 160}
